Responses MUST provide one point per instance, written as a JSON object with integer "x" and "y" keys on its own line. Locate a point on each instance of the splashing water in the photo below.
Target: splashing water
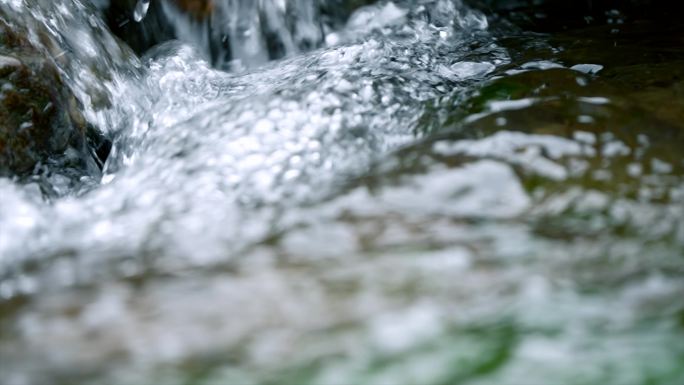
{"x": 392, "y": 201}
{"x": 141, "y": 10}
{"x": 245, "y": 33}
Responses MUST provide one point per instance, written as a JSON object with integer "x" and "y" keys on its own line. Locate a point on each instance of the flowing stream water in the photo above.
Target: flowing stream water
{"x": 418, "y": 192}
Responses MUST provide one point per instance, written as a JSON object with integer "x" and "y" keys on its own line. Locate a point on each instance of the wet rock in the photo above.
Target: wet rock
{"x": 39, "y": 115}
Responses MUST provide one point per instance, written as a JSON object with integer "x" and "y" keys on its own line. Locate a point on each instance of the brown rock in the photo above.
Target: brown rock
{"x": 39, "y": 115}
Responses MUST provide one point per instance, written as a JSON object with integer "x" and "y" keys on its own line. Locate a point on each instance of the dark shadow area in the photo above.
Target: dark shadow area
{"x": 559, "y": 15}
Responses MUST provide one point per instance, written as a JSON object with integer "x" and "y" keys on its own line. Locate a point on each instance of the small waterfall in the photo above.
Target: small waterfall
{"x": 239, "y": 34}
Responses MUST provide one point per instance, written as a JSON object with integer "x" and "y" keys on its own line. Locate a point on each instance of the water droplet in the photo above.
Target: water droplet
{"x": 141, "y": 10}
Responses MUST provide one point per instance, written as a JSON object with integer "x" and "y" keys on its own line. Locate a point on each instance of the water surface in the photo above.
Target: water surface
{"x": 428, "y": 194}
